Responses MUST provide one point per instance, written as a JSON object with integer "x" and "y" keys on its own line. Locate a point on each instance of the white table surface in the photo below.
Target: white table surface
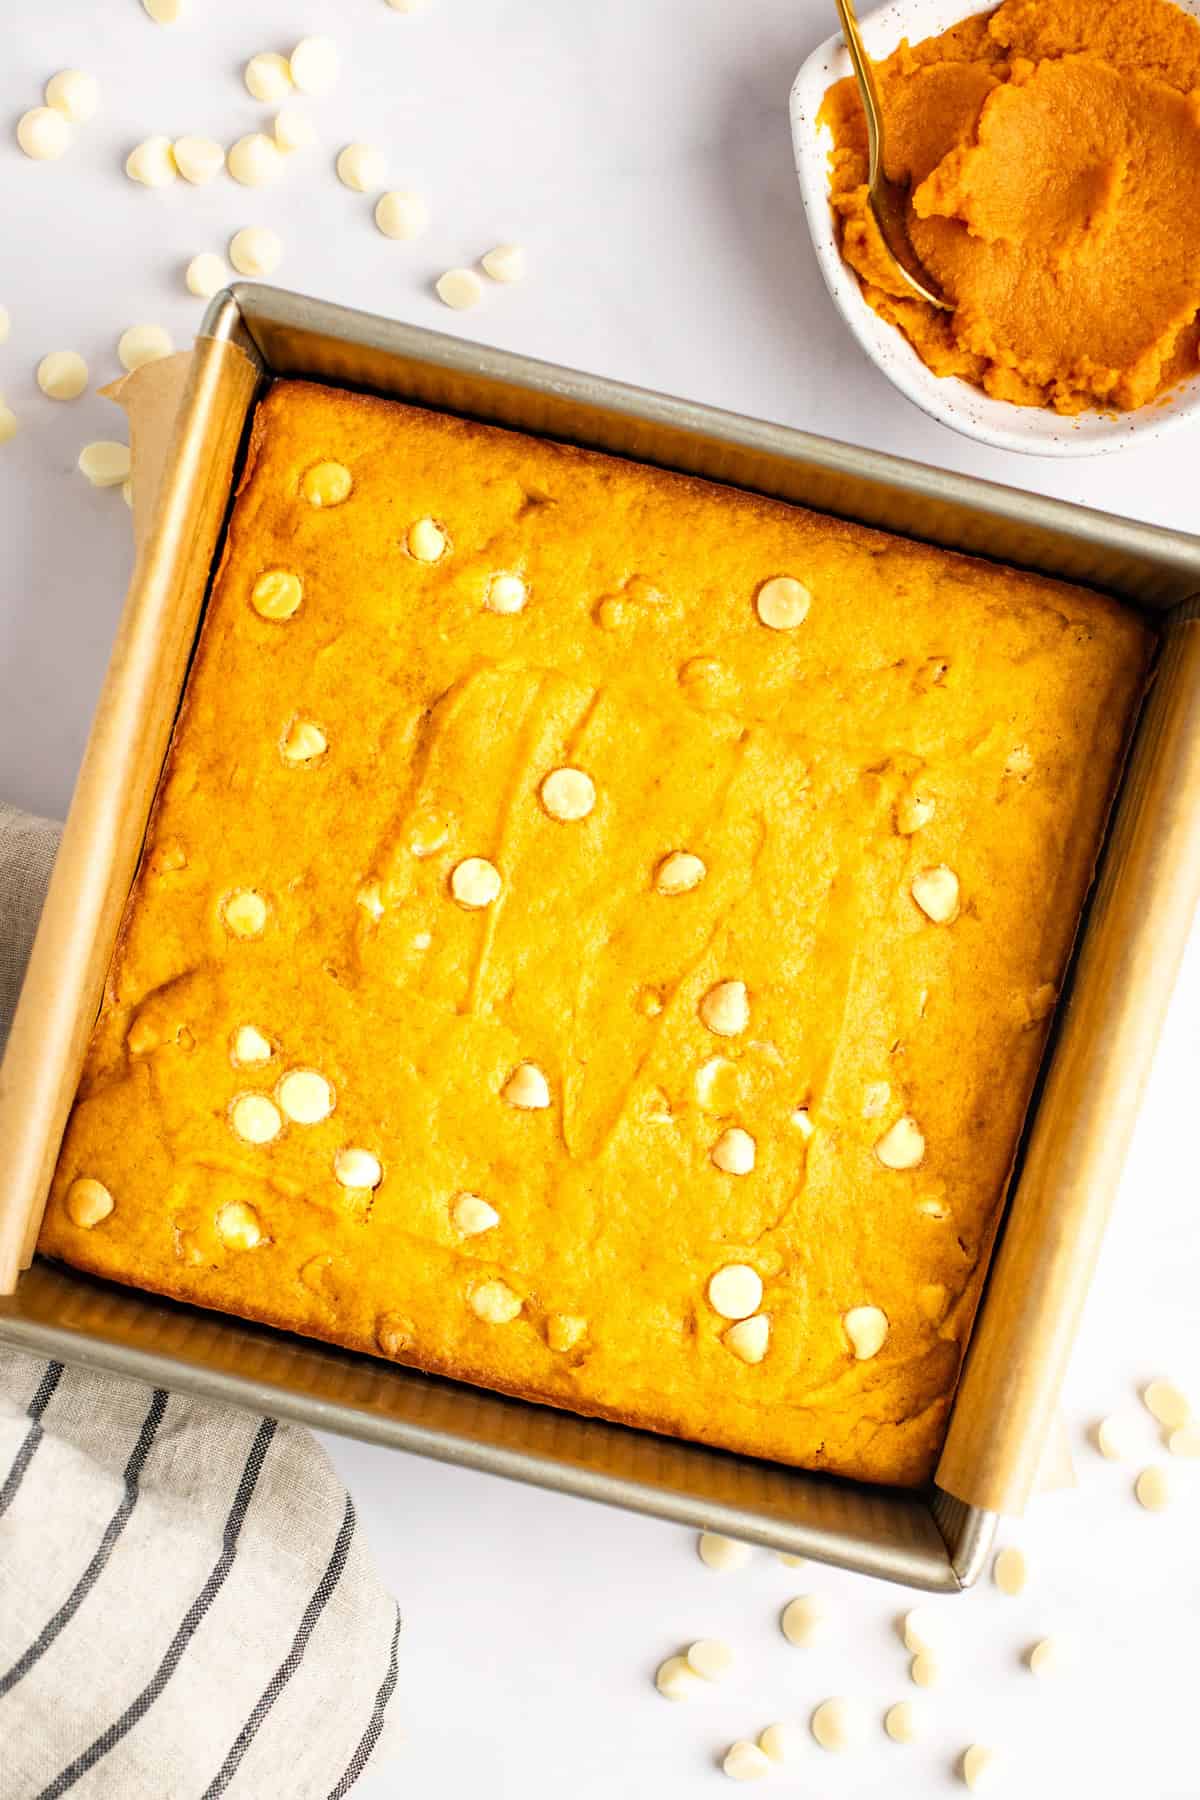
{"x": 640, "y": 151}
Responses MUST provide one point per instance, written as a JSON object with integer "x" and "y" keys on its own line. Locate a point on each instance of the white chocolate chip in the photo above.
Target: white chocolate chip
{"x": 716, "y": 1085}
{"x": 268, "y": 76}
{"x": 400, "y": 213}
{"x": 867, "y": 1329}
{"x": 790, "y": 1561}
{"x": 198, "y": 159}
{"x": 924, "y": 1670}
{"x": 725, "y": 1009}
{"x": 802, "y": 1619}
{"x": 277, "y": 594}
{"x": 314, "y": 65}
{"x": 74, "y": 94}
{"x": 1153, "y": 1489}
{"x": 475, "y": 882}
{"x": 495, "y": 1303}
{"x": 255, "y": 160}
{"x": 152, "y": 163}
{"x": 744, "y": 1761}
{"x": 244, "y": 913}
{"x": 921, "y": 1632}
{"x": 876, "y": 1095}
{"x": 679, "y": 873}
{"x": 564, "y": 1330}
{"x": 782, "y": 603}
{"x": 303, "y": 742}
{"x": 106, "y": 464}
{"x": 238, "y": 1226}
{"x": 164, "y": 12}
{"x": 127, "y": 491}
{"x": 936, "y": 893}
{"x": 206, "y": 275}
{"x": 357, "y": 1168}
{"x": 527, "y": 1088}
{"x": 900, "y": 1722}
{"x": 473, "y": 1215}
{"x": 978, "y": 1768}
{"x": 568, "y": 794}
{"x": 294, "y": 130}
{"x": 428, "y": 831}
{"x": 782, "y": 1743}
{"x": 836, "y": 1725}
{"x": 250, "y": 1046}
{"x": 305, "y": 1097}
{"x": 408, "y": 6}
{"x": 675, "y": 1680}
{"x": 361, "y": 168}
{"x": 1010, "y": 1571}
{"x": 1019, "y": 761}
{"x": 43, "y": 133}
{"x": 5, "y": 324}
{"x": 802, "y": 1120}
{"x": 143, "y": 344}
{"x": 506, "y": 594}
{"x": 1113, "y": 1440}
{"x": 902, "y": 1146}
{"x": 426, "y": 541}
{"x": 735, "y": 1291}
{"x": 1046, "y": 1657}
{"x": 933, "y": 1207}
{"x": 88, "y": 1202}
{"x": 62, "y": 375}
{"x": 913, "y": 811}
{"x": 371, "y": 901}
{"x": 710, "y": 1657}
{"x": 326, "y": 484}
{"x": 1167, "y": 1403}
{"x": 721, "y": 1553}
{"x": 734, "y": 1152}
{"x": 9, "y": 423}
{"x": 750, "y": 1338}
{"x": 255, "y": 1118}
{"x": 255, "y": 250}
{"x": 505, "y": 263}
{"x": 1184, "y": 1441}
{"x": 459, "y": 288}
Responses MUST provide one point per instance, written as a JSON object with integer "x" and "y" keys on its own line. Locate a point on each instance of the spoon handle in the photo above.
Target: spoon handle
{"x": 865, "y": 76}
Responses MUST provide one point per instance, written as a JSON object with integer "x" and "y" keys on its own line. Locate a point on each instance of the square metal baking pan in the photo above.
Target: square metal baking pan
{"x": 1080, "y": 1123}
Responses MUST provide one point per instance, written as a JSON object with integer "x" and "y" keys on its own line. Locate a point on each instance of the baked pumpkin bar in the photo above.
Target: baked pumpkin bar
{"x": 596, "y": 934}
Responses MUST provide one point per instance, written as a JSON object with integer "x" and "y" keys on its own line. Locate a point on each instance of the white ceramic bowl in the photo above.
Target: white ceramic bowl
{"x": 964, "y": 408}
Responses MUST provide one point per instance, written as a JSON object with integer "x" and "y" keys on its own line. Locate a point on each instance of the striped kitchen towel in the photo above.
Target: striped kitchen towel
{"x": 187, "y": 1609}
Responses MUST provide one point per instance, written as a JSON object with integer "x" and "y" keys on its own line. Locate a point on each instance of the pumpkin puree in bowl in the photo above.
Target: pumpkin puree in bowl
{"x": 1052, "y": 149}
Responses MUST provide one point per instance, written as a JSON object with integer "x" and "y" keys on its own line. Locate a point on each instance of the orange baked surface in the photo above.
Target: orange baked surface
{"x": 641, "y": 907}
{"x": 1052, "y": 150}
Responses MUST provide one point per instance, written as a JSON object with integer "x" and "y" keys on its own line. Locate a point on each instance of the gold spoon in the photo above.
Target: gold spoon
{"x": 887, "y": 199}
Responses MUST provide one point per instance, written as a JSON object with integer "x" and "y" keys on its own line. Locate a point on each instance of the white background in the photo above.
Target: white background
{"x": 639, "y": 149}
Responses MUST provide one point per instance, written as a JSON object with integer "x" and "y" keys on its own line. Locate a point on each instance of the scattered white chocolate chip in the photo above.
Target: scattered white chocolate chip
{"x": 371, "y": 901}
{"x": 255, "y": 160}
{"x": 867, "y": 1329}
{"x": 206, "y": 275}
{"x": 164, "y": 12}
{"x": 43, "y": 133}
{"x": 255, "y": 250}
{"x": 978, "y": 1768}
{"x": 932, "y": 1299}
{"x": 744, "y": 1761}
{"x": 802, "y": 1120}
{"x": 900, "y": 1722}
{"x": 734, "y": 1152}
{"x": 62, "y": 375}
{"x": 127, "y": 491}
{"x": 152, "y": 163}
{"x": 1184, "y": 1441}
{"x": 1167, "y": 1403}
{"x": 428, "y": 830}
{"x": 675, "y": 1680}
{"x": 88, "y": 1202}
{"x": 721, "y": 1553}
{"x": 750, "y": 1338}
{"x": 835, "y": 1724}
{"x": 802, "y": 1619}
{"x": 244, "y": 912}
{"x": 782, "y": 603}
{"x": 1019, "y": 761}
{"x": 725, "y": 1009}
{"x": 679, "y": 873}
{"x": 357, "y": 1168}
{"x": 902, "y": 1146}
{"x": 495, "y": 1303}
{"x": 268, "y": 76}
{"x": 1153, "y": 1488}
{"x": 426, "y": 541}
{"x": 475, "y": 882}
{"x": 735, "y": 1291}
{"x": 198, "y": 159}
{"x": 920, "y": 1631}
{"x": 401, "y": 213}
{"x": 568, "y": 794}
{"x": 408, "y": 6}
{"x": 876, "y": 1095}
{"x": 936, "y": 893}
{"x": 781, "y": 1742}
{"x": 506, "y": 594}
{"x": 5, "y": 324}
{"x": 505, "y": 263}
{"x": 73, "y": 93}
{"x": 716, "y": 1085}
{"x": 314, "y": 65}
{"x": 527, "y": 1088}
{"x": 913, "y": 811}
{"x": 473, "y": 1215}
{"x": 238, "y": 1226}
{"x": 143, "y": 344}
{"x": 393, "y": 1333}
{"x": 790, "y": 1561}
{"x": 924, "y": 1670}
{"x": 564, "y": 1330}
{"x": 1113, "y": 1440}
{"x": 361, "y": 168}
{"x": 459, "y": 288}
{"x": 294, "y": 130}
{"x": 326, "y": 484}
{"x": 9, "y": 423}
{"x": 106, "y": 464}
{"x": 710, "y": 1657}
{"x": 276, "y": 594}
{"x": 250, "y": 1046}
{"x": 933, "y": 1206}
{"x": 1010, "y": 1571}
{"x": 305, "y": 1097}
{"x": 1046, "y": 1657}
{"x": 255, "y": 1118}
{"x": 303, "y": 742}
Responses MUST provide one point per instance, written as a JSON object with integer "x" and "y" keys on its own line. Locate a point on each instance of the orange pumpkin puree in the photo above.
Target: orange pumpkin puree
{"x": 1052, "y": 149}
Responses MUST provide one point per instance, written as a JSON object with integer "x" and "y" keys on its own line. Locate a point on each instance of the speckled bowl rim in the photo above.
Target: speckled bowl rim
{"x": 966, "y": 409}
